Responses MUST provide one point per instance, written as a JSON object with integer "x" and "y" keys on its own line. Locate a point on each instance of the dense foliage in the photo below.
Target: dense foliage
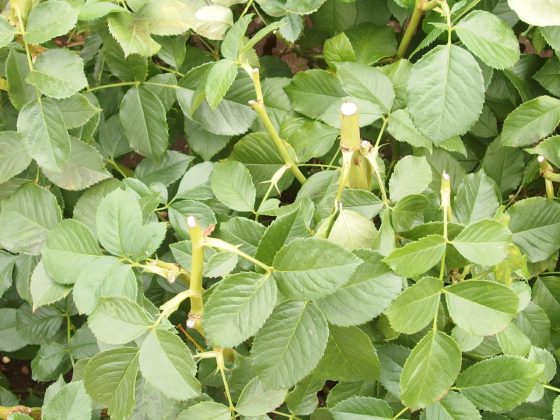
{"x": 325, "y": 209}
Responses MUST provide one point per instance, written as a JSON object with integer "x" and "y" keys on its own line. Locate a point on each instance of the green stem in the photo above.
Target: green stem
{"x": 224, "y": 246}
{"x": 411, "y": 28}
{"x": 221, "y": 367}
{"x": 112, "y": 85}
{"x": 197, "y": 305}
{"x": 400, "y": 413}
{"x": 552, "y": 388}
{"x": 121, "y": 169}
{"x": 247, "y": 7}
{"x": 258, "y": 106}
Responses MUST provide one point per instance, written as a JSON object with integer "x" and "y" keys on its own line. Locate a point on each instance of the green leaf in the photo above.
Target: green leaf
{"x": 368, "y": 293}
{"x": 481, "y": 307}
{"x": 257, "y": 153}
{"x": 416, "y": 307}
{"x": 256, "y": 400}
{"x": 452, "y": 75}
{"x": 549, "y": 148}
{"x": 504, "y": 165}
{"x": 219, "y": 80}
{"x": 430, "y": 370}
{"x": 70, "y": 248}
{"x": 546, "y": 76}
{"x": 372, "y": 43}
{"x": 110, "y": 378}
{"x": 311, "y": 268}
{"x": 284, "y": 7}
{"x": 44, "y": 290}
{"x": 401, "y": 127}
{"x": 513, "y": 342}
{"x": 58, "y": 73}
{"x": 284, "y": 229}
{"x": 498, "y": 384}
{"x": 7, "y": 33}
{"x": 232, "y": 184}
{"x": 364, "y": 408}
{"x": 351, "y": 230}
{"x": 536, "y": 12}
{"x": 85, "y": 208}
{"x": 235, "y": 37}
{"x": 71, "y": 402}
{"x": 534, "y": 323}
{"x": 26, "y": 218}
{"x": 417, "y": 257}
{"x": 48, "y": 20}
{"x": 10, "y": 337}
{"x": 290, "y": 344}
{"x": 204, "y": 143}
{"x": 143, "y": 119}
{"x": 238, "y": 307}
{"x": 453, "y": 407}
{"x": 19, "y": 91}
{"x": 42, "y": 128}
{"x": 132, "y": 34}
{"x": 13, "y": 157}
{"x": 77, "y": 110}
{"x": 120, "y": 228}
{"x": 531, "y": 121}
{"x": 166, "y": 363}
{"x": 477, "y": 198}
{"x": 118, "y": 320}
{"x": 412, "y": 175}
{"x": 349, "y": 356}
{"x": 535, "y": 224}
{"x": 206, "y": 410}
{"x": 368, "y": 83}
{"x": 303, "y": 398}
{"x": 489, "y": 38}
{"x": 166, "y": 170}
{"x": 484, "y": 242}
{"x": 50, "y": 362}
{"x": 38, "y": 326}
{"x": 546, "y": 294}
{"x": 338, "y": 49}
{"x": 83, "y": 168}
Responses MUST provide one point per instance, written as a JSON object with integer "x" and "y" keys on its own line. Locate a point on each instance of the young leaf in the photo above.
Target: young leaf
{"x": 232, "y": 184}
{"x": 42, "y": 128}
{"x": 166, "y": 17}
{"x": 7, "y": 33}
{"x": 489, "y": 38}
{"x": 535, "y": 12}
{"x": 430, "y": 370}
{"x": 290, "y": 344}
{"x": 118, "y": 320}
{"x": 26, "y": 218}
{"x": 303, "y": 398}
{"x": 351, "y": 230}
{"x": 110, "y": 378}
{"x": 416, "y": 257}
{"x": 43, "y": 289}
{"x": 349, "y": 356}
{"x": 416, "y": 307}
{"x": 484, "y": 242}
{"x": 238, "y": 307}
{"x": 481, "y": 307}
{"x": 166, "y": 363}
{"x": 132, "y": 34}
{"x": 498, "y": 384}
{"x": 531, "y": 121}
{"x": 412, "y": 175}
{"x": 452, "y": 75}
{"x": 58, "y": 73}
{"x": 311, "y": 268}
{"x": 48, "y": 20}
